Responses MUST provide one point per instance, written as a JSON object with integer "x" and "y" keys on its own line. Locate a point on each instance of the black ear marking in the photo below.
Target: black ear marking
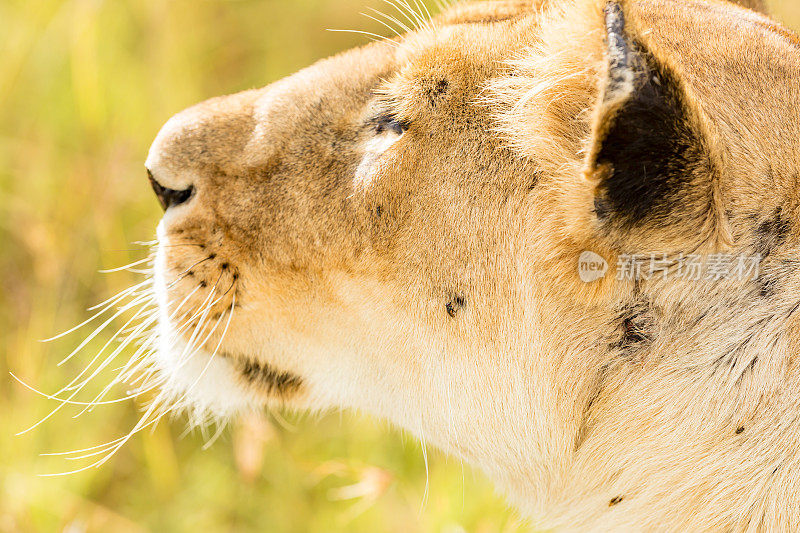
{"x": 647, "y": 153}
{"x": 620, "y": 71}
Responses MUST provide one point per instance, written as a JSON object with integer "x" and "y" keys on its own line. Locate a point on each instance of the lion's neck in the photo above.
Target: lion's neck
{"x": 665, "y": 422}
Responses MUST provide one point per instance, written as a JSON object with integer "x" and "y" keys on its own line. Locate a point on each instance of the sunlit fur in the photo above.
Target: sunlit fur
{"x": 440, "y": 292}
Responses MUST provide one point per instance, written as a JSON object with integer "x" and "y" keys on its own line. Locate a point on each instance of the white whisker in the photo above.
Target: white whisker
{"x": 105, "y": 363}
{"x": 142, "y": 371}
{"x": 374, "y": 36}
{"x": 391, "y": 18}
{"x": 69, "y": 402}
{"x": 71, "y": 384}
{"x": 71, "y": 396}
{"x": 382, "y": 23}
{"x": 426, "y": 16}
{"x": 126, "y": 267}
{"x": 110, "y": 303}
{"x": 220, "y": 428}
{"x": 102, "y": 326}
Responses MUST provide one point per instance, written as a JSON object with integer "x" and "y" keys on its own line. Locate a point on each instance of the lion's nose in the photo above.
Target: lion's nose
{"x": 169, "y": 197}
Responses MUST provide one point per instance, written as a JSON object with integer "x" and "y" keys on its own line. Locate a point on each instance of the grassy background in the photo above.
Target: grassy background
{"x": 84, "y": 87}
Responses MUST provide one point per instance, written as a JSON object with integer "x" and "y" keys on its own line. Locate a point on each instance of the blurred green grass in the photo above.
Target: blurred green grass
{"x": 84, "y": 87}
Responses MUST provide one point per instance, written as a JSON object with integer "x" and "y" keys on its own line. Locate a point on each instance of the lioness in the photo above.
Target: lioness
{"x": 406, "y": 229}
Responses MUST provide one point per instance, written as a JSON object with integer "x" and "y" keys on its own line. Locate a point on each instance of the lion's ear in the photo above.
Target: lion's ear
{"x": 648, "y": 158}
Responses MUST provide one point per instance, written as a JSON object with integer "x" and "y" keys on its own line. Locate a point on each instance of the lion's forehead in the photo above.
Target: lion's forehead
{"x": 243, "y": 130}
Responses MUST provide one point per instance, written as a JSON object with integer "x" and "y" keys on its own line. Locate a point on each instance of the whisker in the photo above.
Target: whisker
{"x": 186, "y": 299}
{"x": 126, "y": 267}
{"x": 426, "y": 15}
{"x": 105, "y": 363}
{"x": 281, "y": 420}
{"x": 82, "y": 450}
{"x": 134, "y": 288}
{"x": 381, "y": 22}
{"x": 109, "y": 449}
{"x": 427, "y": 471}
{"x": 391, "y": 19}
{"x": 408, "y": 12}
{"x": 103, "y": 326}
{"x": 69, "y": 402}
{"x": 72, "y": 395}
{"x": 412, "y": 23}
{"x": 220, "y": 428}
{"x": 107, "y": 344}
{"x": 185, "y": 272}
{"x": 374, "y": 36}
{"x": 203, "y": 305}
{"x": 110, "y": 303}
{"x": 198, "y": 330}
{"x": 179, "y": 244}
{"x": 140, "y": 369}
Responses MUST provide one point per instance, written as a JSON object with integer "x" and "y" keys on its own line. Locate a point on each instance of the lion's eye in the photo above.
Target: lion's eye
{"x": 388, "y": 130}
{"x": 390, "y": 124}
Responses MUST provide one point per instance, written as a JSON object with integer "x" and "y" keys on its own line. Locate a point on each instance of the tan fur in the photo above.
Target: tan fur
{"x": 439, "y": 290}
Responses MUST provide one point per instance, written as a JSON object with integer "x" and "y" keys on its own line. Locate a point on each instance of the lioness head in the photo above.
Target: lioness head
{"x": 402, "y": 229}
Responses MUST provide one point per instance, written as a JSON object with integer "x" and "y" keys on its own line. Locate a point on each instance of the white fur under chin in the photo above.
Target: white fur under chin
{"x": 205, "y": 387}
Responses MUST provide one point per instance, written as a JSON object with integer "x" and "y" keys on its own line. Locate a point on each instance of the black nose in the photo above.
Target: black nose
{"x": 169, "y": 197}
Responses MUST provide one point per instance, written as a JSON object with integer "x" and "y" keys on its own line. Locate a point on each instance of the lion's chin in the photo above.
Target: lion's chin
{"x": 207, "y": 388}
{"x": 205, "y": 385}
